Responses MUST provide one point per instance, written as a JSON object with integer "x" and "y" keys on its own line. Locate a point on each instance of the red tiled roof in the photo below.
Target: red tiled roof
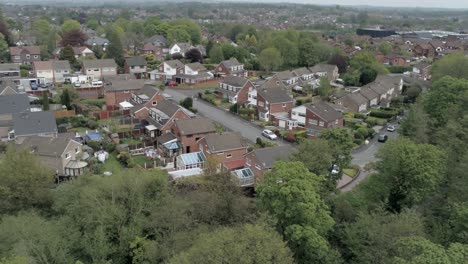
{"x": 29, "y": 49}
{"x": 234, "y": 164}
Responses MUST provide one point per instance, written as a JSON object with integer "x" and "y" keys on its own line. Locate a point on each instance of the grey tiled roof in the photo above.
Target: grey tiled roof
{"x": 12, "y": 104}
{"x": 9, "y": 67}
{"x": 274, "y": 95}
{"x": 268, "y": 156}
{"x": 99, "y": 63}
{"x": 368, "y": 93}
{"x": 175, "y": 63}
{"x": 123, "y": 85}
{"x": 48, "y": 146}
{"x": 195, "y": 126}
{"x": 34, "y": 123}
{"x": 136, "y": 61}
{"x": 196, "y": 66}
{"x": 225, "y": 141}
{"x": 324, "y": 111}
{"x": 231, "y": 63}
{"x": 234, "y": 81}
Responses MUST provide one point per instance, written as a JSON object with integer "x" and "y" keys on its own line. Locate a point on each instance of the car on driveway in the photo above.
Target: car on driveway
{"x": 171, "y": 83}
{"x": 269, "y": 134}
{"x": 382, "y": 138}
{"x": 391, "y": 128}
{"x": 335, "y": 169}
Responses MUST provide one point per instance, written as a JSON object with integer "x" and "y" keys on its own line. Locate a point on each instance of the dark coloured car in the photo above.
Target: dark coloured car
{"x": 34, "y": 86}
{"x": 382, "y": 138}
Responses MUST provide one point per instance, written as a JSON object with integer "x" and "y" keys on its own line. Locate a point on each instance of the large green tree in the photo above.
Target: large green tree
{"x": 70, "y": 25}
{"x": 341, "y": 143}
{"x": 24, "y": 181}
{"x": 290, "y": 194}
{"x": 270, "y": 59}
{"x": 245, "y": 244}
{"x": 454, "y": 65}
{"x": 114, "y": 49}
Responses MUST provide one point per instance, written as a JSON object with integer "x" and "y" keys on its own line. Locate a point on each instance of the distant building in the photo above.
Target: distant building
{"x": 375, "y": 32}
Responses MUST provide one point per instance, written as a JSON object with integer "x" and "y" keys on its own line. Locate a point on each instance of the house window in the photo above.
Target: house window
{"x": 228, "y": 156}
{"x": 321, "y": 124}
{"x": 67, "y": 156}
{"x": 312, "y": 122}
{"x": 284, "y": 105}
{"x": 36, "y": 56}
{"x": 261, "y": 104}
{"x": 247, "y": 162}
{"x": 77, "y": 150}
{"x": 336, "y": 122}
{"x": 17, "y": 57}
{"x": 28, "y": 56}
{"x": 258, "y": 167}
{"x": 197, "y": 138}
{"x": 127, "y": 91}
{"x": 154, "y": 103}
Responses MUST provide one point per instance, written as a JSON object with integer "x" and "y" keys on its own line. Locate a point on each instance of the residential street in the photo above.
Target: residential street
{"x": 361, "y": 156}
{"x": 231, "y": 122}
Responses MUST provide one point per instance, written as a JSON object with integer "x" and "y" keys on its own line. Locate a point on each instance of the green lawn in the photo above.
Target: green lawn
{"x": 350, "y": 172}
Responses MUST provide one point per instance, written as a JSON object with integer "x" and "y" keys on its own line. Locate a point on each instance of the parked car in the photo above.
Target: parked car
{"x": 96, "y": 83}
{"x": 34, "y": 86}
{"x": 45, "y": 85}
{"x": 335, "y": 169}
{"x": 269, "y": 134}
{"x": 391, "y": 128}
{"x": 171, "y": 83}
{"x": 382, "y": 138}
{"x": 77, "y": 84}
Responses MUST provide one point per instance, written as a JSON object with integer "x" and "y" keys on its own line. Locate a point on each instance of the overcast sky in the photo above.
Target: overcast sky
{"x": 396, "y": 3}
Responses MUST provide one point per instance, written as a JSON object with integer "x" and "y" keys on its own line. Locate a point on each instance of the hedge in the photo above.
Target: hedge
{"x": 372, "y": 121}
{"x": 383, "y": 114}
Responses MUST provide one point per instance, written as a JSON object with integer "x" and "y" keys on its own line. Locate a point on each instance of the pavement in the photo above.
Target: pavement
{"x": 231, "y": 122}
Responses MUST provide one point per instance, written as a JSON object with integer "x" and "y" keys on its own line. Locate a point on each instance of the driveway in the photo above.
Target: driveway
{"x": 228, "y": 120}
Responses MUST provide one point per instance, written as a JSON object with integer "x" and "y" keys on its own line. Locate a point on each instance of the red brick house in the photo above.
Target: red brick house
{"x": 271, "y": 102}
{"x": 162, "y": 116}
{"x": 190, "y": 131}
{"x": 235, "y": 89}
{"x": 424, "y": 49}
{"x": 25, "y": 54}
{"x": 260, "y": 161}
{"x": 143, "y": 100}
{"x": 117, "y": 91}
{"x": 230, "y": 67}
{"x": 228, "y": 149}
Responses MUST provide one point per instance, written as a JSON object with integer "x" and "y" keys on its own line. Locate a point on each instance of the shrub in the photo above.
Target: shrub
{"x": 360, "y": 116}
{"x": 126, "y": 159}
{"x": 372, "y": 121}
{"x": 95, "y": 102}
{"x": 234, "y": 108}
{"x": 358, "y": 141}
{"x": 382, "y": 114}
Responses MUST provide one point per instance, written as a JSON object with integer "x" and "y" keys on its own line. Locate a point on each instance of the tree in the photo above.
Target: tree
{"x": 92, "y": 23}
{"x": 340, "y": 61}
{"x": 68, "y": 54}
{"x": 114, "y": 49}
{"x": 177, "y": 34}
{"x": 289, "y": 51}
{"x": 65, "y": 99}
{"x": 73, "y": 38}
{"x": 194, "y": 55}
{"x": 368, "y": 75}
{"x": 341, "y": 142}
{"x": 187, "y": 102}
{"x": 372, "y": 237}
{"x": 24, "y": 183}
{"x": 4, "y": 30}
{"x": 325, "y": 89}
{"x": 245, "y": 244}
{"x": 4, "y": 51}
{"x": 70, "y": 25}
{"x": 415, "y": 125}
{"x": 45, "y": 101}
{"x": 454, "y": 65}
{"x": 411, "y": 171}
{"x": 270, "y": 59}
{"x": 316, "y": 155}
{"x": 290, "y": 194}
{"x": 216, "y": 54}
{"x": 367, "y": 60}
{"x": 41, "y": 29}
{"x": 385, "y": 48}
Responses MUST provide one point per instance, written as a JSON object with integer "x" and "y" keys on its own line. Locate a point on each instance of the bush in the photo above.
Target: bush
{"x": 234, "y": 108}
{"x": 126, "y": 159}
{"x": 360, "y": 116}
{"x": 383, "y": 114}
{"x": 372, "y": 121}
{"x": 95, "y": 102}
{"x": 358, "y": 141}
{"x": 187, "y": 103}
{"x": 193, "y": 110}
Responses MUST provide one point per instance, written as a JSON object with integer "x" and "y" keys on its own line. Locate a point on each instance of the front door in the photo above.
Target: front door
{"x": 187, "y": 149}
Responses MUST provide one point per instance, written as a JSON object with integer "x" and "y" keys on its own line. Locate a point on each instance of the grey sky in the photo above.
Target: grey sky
{"x": 393, "y": 3}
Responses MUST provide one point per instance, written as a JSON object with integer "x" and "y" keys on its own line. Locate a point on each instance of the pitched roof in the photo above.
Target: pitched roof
{"x": 157, "y": 38}
{"x": 25, "y": 49}
{"x": 168, "y": 107}
{"x": 357, "y": 98}
{"x": 368, "y": 93}
{"x": 195, "y": 126}
{"x": 102, "y": 63}
{"x": 34, "y": 123}
{"x": 184, "y": 46}
{"x": 123, "y": 85}
{"x": 324, "y": 111}
{"x": 273, "y": 83}
{"x": 61, "y": 65}
{"x": 274, "y": 95}
{"x": 8, "y": 84}
{"x": 12, "y": 104}
{"x": 52, "y": 65}
{"x": 268, "y": 156}
{"x": 301, "y": 71}
{"x": 285, "y": 75}
{"x": 9, "y": 67}
{"x": 225, "y": 141}
{"x": 96, "y": 41}
{"x": 174, "y": 63}
{"x": 235, "y": 81}
{"x": 196, "y": 66}
{"x": 323, "y": 68}
{"x": 148, "y": 90}
{"x": 231, "y": 63}
{"x": 47, "y": 146}
{"x": 136, "y": 61}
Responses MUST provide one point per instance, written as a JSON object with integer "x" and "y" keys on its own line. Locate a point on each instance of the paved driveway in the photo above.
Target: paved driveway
{"x": 231, "y": 122}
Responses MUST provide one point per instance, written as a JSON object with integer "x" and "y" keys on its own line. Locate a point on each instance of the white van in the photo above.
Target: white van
{"x": 96, "y": 83}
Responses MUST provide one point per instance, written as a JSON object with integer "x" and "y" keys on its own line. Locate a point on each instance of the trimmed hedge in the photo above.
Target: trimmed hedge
{"x": 372, "y": 121}
{"x": 383, "y": 114}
